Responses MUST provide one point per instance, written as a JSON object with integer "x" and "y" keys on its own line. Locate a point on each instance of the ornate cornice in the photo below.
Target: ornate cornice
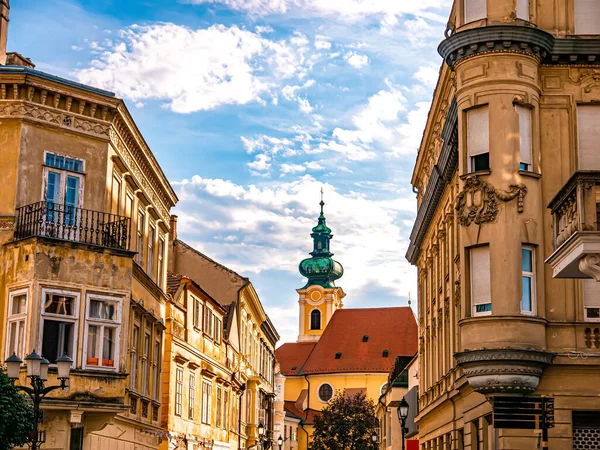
{"x": 505, "y": 370}
{"x": 519, "y": 39}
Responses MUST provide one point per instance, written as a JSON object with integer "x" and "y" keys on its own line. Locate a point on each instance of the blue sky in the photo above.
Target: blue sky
{"x": 251, "y": 106}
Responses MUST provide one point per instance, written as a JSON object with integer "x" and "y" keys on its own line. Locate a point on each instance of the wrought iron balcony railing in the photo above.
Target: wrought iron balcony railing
{"x": 67, "y": 223}
{"x": 575, "y": 225}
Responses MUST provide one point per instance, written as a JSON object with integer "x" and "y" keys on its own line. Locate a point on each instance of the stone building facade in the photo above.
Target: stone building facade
{"x": 84, "y": 223}
{"x": 506, "y": 239}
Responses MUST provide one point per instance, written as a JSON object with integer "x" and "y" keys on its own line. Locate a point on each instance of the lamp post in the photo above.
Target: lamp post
{"x": 280, "y": 442}
{"x": 374, "y": 438}
{"x": 261, "y": 435}
{"x": 37, "y": 372}
{"x": 402, "y": 416}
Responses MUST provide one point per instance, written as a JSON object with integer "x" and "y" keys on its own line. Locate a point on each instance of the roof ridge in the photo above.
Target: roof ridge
{"x": 212, "y": 260}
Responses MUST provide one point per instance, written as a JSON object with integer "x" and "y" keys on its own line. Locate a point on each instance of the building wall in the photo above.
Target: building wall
{"x": 503, "y": 80}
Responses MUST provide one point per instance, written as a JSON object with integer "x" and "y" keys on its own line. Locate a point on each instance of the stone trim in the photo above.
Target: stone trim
{"x": 519, "y": 39}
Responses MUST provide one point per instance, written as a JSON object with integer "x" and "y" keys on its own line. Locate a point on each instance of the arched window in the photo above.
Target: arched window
{"x": 315, "y": 319}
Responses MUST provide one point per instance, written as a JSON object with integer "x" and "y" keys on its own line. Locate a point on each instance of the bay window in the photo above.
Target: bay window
{"x": 102, "y": 332}
{"x": 59, "y": 319}
{"x": 133, "y": 356}
{"x": 145, "y": 364}
{"x": 157, "y": 362}
{"x": 17, "y": 321}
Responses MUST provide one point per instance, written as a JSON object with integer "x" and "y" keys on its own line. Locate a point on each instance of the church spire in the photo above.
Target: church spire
{"x": 321, "y": 269}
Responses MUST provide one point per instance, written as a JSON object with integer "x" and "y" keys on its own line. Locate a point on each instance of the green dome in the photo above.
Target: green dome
{"x": 321, "y": 269}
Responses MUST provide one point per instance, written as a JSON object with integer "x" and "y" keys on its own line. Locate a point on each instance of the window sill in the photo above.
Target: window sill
{"x": 477, "y": 173}
{"x": 528, "y": 173}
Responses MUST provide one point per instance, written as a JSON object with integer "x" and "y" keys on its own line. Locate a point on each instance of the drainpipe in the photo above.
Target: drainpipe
{"x": 307, "y": 410}
{"x": 242, "y": 389}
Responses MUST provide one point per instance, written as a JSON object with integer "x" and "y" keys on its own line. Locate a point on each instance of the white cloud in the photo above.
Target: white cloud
{"x": 305, "y": 105}
{"x": 288, "y": 210}
{"x": 356, "y": 60}
{"x": 428, "y": 75}
{"x": 263, "y": 29}
{"x": 289, "y": 92}
{"x": 76, "y": 48}
{"x": 261, "y": 163}
{"x": 229, "y": 65}
{"x": 322, "y": 43}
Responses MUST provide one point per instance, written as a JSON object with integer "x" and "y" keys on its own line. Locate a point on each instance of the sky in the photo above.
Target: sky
{"x": 251, "y": 107}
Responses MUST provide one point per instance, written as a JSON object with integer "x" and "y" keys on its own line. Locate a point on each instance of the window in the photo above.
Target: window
{"x": 325, "y": 392}
{"x": 157, "y": 362}
{"x": 133, "y": 355}
{"x": 226, "y": 409}
{"x": 128, "y": 204}
{"x": 17, "y": 318}
{"x": 160, "y": 266}
{"x": 206, "y": 402}
{"x": 475, "y": 439}
{"x": 475, "y": 10}
{"x": 587, "y": 17}
{"x": 115, "y": 194}
{"x": 218, "y": 327}
{"x": 591, "y": 300}
{"x": 588, "y": 126}
{"x": 219, "y": 403}
{"x": 315, "y": 319}
{"x": 528, "y": 280}
{"x": 523, "y": 10}
{"x": 525, "y": 136}
{"x": 59, "y": 324}
{"x": 150, "y": 262}
{"x": 192, "y": 395}
{"x": 178, "y": 390}
{"x": 141, "y": 222}
{"x": 64, "y": 162}
{"x": 63, "y": 189}
{"x": 145, "y": 363}
{"x": 102, "y": 332}
{"x": 480, "y": 281}
{"x": 197, "y": 312}
{"x": 209, "y": 322}
{"x": 478, "y": 139}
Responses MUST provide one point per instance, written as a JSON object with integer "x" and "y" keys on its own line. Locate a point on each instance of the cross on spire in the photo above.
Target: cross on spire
{"x": 322, "y": 202}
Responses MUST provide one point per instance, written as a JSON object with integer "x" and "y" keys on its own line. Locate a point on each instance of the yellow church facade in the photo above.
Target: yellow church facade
{"x": 338, "y": 350}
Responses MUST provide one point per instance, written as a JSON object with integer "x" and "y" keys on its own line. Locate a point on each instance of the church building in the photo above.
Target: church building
{"x": 338, "y": 350}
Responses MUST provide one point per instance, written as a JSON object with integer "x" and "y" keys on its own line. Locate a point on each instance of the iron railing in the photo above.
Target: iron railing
{"x": 69, "y": 223}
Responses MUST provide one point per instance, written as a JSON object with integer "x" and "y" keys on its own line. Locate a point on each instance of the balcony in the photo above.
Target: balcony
{"x": 576, "y": 236}
{"x": 67, "y": 223}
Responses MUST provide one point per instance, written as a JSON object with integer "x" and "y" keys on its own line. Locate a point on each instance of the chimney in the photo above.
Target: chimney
{"x": 173, "y": 226}
{"x": 4, "y": 7}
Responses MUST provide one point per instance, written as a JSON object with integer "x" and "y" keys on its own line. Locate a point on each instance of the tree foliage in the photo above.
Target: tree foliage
{"x": 346, "y": 423}
{"x": 16, "y": 415}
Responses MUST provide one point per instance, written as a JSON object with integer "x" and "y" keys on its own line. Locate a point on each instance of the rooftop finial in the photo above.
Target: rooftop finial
{"x": 322, "y": 202}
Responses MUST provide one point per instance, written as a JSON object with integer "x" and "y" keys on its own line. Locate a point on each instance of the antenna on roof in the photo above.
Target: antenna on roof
{"x": 409, "y": 299}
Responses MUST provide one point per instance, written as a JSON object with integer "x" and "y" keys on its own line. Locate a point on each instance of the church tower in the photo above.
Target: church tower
{"x": 320, "y": 297}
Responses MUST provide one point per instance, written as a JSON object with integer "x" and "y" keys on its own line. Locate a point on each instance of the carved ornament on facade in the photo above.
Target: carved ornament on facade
{"x": 7, "y": 223}
{"x": 478, "y": 201}
{"x": 457, "y": 293}
{"x": 447, "y": 307}
{"x": 590, "y": 265}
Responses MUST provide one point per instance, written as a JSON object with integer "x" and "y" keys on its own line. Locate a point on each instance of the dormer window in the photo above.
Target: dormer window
{"x": 338, "y": 355}
{"x": 366, "y": 338}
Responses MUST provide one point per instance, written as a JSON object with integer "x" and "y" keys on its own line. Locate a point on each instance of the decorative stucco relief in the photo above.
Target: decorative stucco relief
{"x": 478, "y": 201}
{"x": 590, "y": 265}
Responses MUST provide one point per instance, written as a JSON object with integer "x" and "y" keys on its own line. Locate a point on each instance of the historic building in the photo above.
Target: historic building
{"x": 84, "y": 222}
{"x": 248, "y": 369}
{"x": 506, "y": 237}
{"x": 351, "y": 350}
{"x": 201, "y": 391}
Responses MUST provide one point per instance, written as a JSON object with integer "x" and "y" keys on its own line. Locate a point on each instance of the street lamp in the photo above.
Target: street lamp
{"x": 37, "y": 372}
{"x": 374, "y": 437}
{"x": 402, "y": 416}
{"x": 280, "y": 442}
{"x": 262, "y": 438}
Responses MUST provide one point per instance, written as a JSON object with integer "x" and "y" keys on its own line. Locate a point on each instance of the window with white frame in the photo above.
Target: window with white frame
{"x": 475, "y": 10}
{"x": 63, "y": 187}
{"x": 325, "y": 392}
{"x": 192, "y": 395}
{"x": 150, "y": 262}
{"x": 481, "y": 297}
{"x": 588, "y": 127}
{"x": 525, "y": 137}
{"x": 58, "y": 323}
{"x": 206, "y": 401}
{"x": 523, "y": 10}
{"x": 141, "y": 223}
{"x": 160, "y": 267}
{"x": 528, "y": 280}
{"x": 587, "y": 16}
{"x": 178, "y": 390}
{"x": 102, "y": 330}
{"x": 17, "y": 321}
{"x": 591, "y": 300}
{"x": 478, "y": 138}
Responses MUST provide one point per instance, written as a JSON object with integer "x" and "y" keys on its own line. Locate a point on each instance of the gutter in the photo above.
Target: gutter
{"x": 307, "y": 411}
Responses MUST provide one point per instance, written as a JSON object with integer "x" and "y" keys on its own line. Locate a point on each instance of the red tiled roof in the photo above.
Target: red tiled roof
{"x": 173, "y": 283}
{"x": 292, "y": 356}
{"x": 391, "y": 329}
{"x": 293, "y": 411}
